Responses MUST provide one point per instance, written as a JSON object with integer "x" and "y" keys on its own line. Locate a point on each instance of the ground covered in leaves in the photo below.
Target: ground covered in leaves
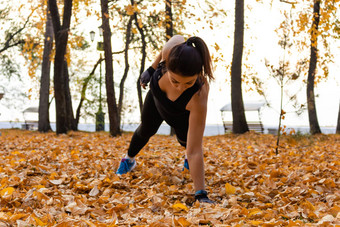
{"x": 70, "y": 180}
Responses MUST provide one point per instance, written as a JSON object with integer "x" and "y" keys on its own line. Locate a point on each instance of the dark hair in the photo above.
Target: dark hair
{"x": 190, "y": 58}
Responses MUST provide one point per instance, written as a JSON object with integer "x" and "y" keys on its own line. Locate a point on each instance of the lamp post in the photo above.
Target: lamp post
{"x": 100, "y": 115}
{"x": 1, "y": 95}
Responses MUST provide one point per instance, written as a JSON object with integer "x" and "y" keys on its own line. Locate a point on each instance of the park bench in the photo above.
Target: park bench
{"x": 252, "y": 112}
{"x": 30, "y": 118}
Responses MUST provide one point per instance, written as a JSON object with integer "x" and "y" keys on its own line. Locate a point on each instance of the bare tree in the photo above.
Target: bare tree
{"x": 127, "y": 66}
{"x": 142, "y": 62}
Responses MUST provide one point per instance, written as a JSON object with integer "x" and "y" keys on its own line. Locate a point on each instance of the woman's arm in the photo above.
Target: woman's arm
{"x": 157, "y": 60}
{"x": 198, "y": 111}
{"x": 173, "y": 41}
{"x": 147, "y": 74}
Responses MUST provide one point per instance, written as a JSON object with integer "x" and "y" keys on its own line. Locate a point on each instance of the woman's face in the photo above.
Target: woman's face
{"x": 181, "y": 83}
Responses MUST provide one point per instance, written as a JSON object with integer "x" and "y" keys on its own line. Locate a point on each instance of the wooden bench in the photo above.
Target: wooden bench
{"x": 30, "y": 125}
{"x": 253, "y": 115}
{"x": 31, "y": 118}
{"x": 253, "y": 126}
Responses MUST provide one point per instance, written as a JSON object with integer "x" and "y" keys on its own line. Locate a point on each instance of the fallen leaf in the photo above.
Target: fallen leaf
{"x": 94, "y": 191}
{"x": 229, "y": 189}
{"x": 6, "y": 192}
{"x": 180, "y": 207}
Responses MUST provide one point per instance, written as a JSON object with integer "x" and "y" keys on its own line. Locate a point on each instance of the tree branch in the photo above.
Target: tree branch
{"x": 288, "y": 2}
{"x": 8, "y": 44}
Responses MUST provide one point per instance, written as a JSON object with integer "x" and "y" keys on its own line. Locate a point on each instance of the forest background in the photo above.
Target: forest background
{"x": 266, "y": 23}
{"x": 68, "y": 179}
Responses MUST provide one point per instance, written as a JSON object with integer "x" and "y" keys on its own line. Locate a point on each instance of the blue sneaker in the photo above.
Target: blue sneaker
{"x": 186, "y": 165}
{"x": 126, "y": 165}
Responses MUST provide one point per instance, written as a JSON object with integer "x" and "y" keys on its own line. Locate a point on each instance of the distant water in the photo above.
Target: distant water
{"x": 210, "y": 130}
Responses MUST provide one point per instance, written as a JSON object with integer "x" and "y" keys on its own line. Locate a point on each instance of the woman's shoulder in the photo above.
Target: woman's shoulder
{"x": 199, "y": 99}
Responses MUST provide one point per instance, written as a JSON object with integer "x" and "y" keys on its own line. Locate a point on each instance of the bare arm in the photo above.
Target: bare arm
{"x": 174, "y": 41}
{"x": 157, "y": 60}
{"x": 198, "y": 112}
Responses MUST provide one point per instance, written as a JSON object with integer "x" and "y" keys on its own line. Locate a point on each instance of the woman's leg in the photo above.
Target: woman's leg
{"x": 181, "y": 130}
{"x": 151, "y": 120}
{"x": 182, "y": 133}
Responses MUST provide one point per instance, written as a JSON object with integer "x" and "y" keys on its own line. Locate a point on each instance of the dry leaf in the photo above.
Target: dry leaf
{"x": 180, "y": 207}
{"x": 70, "y": 180}
{"x": 229, "y": 189}
{"x": 7, "y": 192}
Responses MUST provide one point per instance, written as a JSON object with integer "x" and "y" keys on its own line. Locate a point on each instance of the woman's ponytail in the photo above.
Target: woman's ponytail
{"x": 202, "y": 48}
{"x": 191, "y": 58}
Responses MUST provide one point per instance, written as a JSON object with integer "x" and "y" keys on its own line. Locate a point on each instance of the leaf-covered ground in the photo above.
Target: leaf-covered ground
{"x": 69, "y": 180}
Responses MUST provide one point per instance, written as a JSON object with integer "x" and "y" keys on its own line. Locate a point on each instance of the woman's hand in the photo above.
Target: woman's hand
{"x": 146, "y": 76}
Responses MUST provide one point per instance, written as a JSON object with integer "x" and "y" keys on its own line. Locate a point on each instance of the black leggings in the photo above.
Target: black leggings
{"x": 151, "y": 121}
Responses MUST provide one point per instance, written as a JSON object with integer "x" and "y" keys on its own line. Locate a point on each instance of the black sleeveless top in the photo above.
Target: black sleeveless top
{"x": 166, "y": 106}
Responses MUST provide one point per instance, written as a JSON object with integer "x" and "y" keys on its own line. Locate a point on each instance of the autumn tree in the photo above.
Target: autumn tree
{"x": 44, "y": 121}
{"x": 147, "y": 23}
{"x": 110, "y": 91}
{"x": 64, "y": 114}
{"x": 14, "y": 35}
{"x": 148, "y": 34}
{"x": 13, "y": 29}
{"x": 285, "y": 74}
{"x": 319, "y": 21}
{"x": 239, "y": 119}
{"x": 313, "y": 119}
{"x": 37, "y": 57}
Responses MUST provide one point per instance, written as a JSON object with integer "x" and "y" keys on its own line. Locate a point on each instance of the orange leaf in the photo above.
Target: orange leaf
{"x": 180, "y": 207}
{"x": 183, "y": 222}
{"x": 229, "y": 189}
{"x": 7, "y": 192}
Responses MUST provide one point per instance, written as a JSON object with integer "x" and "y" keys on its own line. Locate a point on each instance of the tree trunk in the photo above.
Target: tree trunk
{"x": 71, "y": 122}
{"x": 338, "y": 124}
{"x": 83, "y": 90}
{"x": 44, "y": 120}
{"x": 127, "y": 66}
{"x": 60, "y": 87}
{"x": 169, "y": 30}
{"x": 313, "y": 119}
{"x": 142, "y": 63}
{"x": 110, "y": 92}
{"x": 239, "y": 119}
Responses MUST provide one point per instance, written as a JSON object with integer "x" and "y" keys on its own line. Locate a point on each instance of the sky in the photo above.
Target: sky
{"x": 262, "y": 42}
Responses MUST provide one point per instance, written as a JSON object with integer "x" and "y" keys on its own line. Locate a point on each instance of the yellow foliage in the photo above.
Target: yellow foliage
{"x": 272, "y": 190}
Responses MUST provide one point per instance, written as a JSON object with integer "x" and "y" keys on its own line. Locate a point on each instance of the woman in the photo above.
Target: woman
{"x": 178, "y": 94}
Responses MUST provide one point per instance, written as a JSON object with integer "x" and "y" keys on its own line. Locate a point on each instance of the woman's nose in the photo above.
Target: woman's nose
{"x": 181, "y": 87}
